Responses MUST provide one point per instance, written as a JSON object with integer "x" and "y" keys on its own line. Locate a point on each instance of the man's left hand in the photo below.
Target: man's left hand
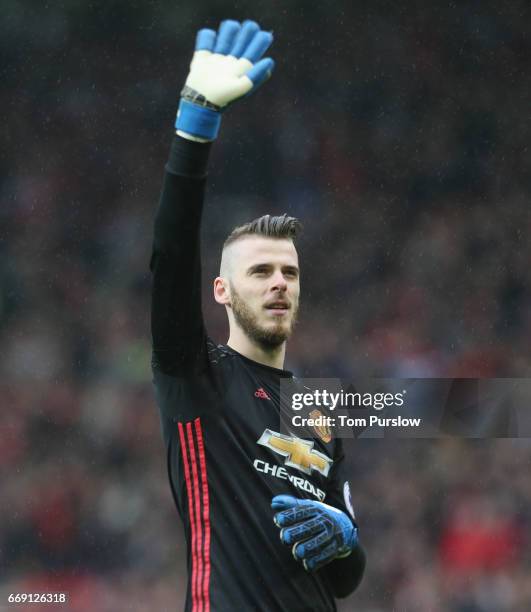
{"x": 317, "y": 532}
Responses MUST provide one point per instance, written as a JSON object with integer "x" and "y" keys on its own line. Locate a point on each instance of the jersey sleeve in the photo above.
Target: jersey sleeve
{"x": 343, "y": 575}
{"x": 178, "y": 334}
{"x": 338, "y": 490}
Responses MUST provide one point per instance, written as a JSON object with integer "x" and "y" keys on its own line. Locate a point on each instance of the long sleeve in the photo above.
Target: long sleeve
{"x": 176, "y": 317}
{"x": 343, "y": 575}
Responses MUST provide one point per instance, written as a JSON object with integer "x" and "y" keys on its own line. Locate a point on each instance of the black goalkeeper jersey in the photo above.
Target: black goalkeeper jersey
{"x": 220, "y": 417}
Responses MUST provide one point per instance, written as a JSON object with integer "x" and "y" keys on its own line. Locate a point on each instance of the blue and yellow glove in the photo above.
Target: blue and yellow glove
{"x": 317, "y": 533}
{"x": 226, "y": 65}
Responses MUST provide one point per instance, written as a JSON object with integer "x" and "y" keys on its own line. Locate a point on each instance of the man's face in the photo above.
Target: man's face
{"x": 264, "y": 288}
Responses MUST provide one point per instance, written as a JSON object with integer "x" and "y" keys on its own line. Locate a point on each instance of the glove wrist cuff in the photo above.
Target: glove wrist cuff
{"x": 352, "y": 542}
{"x": 197, "y": 121}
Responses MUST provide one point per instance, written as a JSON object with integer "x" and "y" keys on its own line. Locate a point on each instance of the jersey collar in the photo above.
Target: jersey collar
{"x": 261, "y": 366}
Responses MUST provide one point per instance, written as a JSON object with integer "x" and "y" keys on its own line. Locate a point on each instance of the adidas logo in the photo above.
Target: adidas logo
{"x": 261, "y": 393}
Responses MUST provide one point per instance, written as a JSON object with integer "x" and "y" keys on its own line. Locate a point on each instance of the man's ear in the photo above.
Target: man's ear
{"x": 221, "y": 291}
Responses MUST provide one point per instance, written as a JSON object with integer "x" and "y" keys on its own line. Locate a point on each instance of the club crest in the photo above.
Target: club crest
{"x": 323, "y": 431}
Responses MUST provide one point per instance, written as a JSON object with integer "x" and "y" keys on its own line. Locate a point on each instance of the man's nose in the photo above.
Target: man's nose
{"x": 279, "y": 282}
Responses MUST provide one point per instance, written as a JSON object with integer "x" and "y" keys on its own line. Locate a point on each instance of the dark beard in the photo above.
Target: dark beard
{"x": 268, "y": 339}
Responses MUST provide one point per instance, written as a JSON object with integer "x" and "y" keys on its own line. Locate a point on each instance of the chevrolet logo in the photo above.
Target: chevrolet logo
{"x": 299, "y": 453}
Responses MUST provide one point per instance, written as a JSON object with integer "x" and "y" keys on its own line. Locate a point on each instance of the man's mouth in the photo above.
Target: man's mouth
{"x": 278, "y": 307}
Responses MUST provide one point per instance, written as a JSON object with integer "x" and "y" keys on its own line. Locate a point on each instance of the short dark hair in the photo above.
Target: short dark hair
{"x": 269, "y": 226}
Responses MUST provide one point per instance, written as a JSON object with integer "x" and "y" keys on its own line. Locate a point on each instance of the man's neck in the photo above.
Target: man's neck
{"x": 272, "y": 357}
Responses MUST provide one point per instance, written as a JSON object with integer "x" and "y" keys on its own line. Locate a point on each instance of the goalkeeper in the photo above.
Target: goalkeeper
{"x": 267, "y": 516}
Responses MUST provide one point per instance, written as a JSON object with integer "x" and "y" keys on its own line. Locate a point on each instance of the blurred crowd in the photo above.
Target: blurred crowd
{"x": 400, "y": 137}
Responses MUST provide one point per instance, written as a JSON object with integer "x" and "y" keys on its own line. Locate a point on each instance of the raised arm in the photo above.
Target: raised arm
{"x": 176, "y": 319}
{"x": 226, "y": 66}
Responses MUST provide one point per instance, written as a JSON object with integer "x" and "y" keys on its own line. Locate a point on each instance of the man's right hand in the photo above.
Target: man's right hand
{"x": 226, "y": 65}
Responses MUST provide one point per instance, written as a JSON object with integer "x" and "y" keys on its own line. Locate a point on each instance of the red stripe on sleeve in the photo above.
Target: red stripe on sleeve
{"x": 206, "y": 513}
{"x": 189, "y": 493}
{"x": 198, "y": 517}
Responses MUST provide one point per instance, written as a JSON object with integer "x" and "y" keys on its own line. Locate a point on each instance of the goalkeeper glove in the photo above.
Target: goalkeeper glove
{"x": 225, "y": 67}
{"x": 318, "y": 533}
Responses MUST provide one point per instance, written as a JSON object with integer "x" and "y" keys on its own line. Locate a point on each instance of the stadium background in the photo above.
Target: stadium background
{"x": 401, "y": 138}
